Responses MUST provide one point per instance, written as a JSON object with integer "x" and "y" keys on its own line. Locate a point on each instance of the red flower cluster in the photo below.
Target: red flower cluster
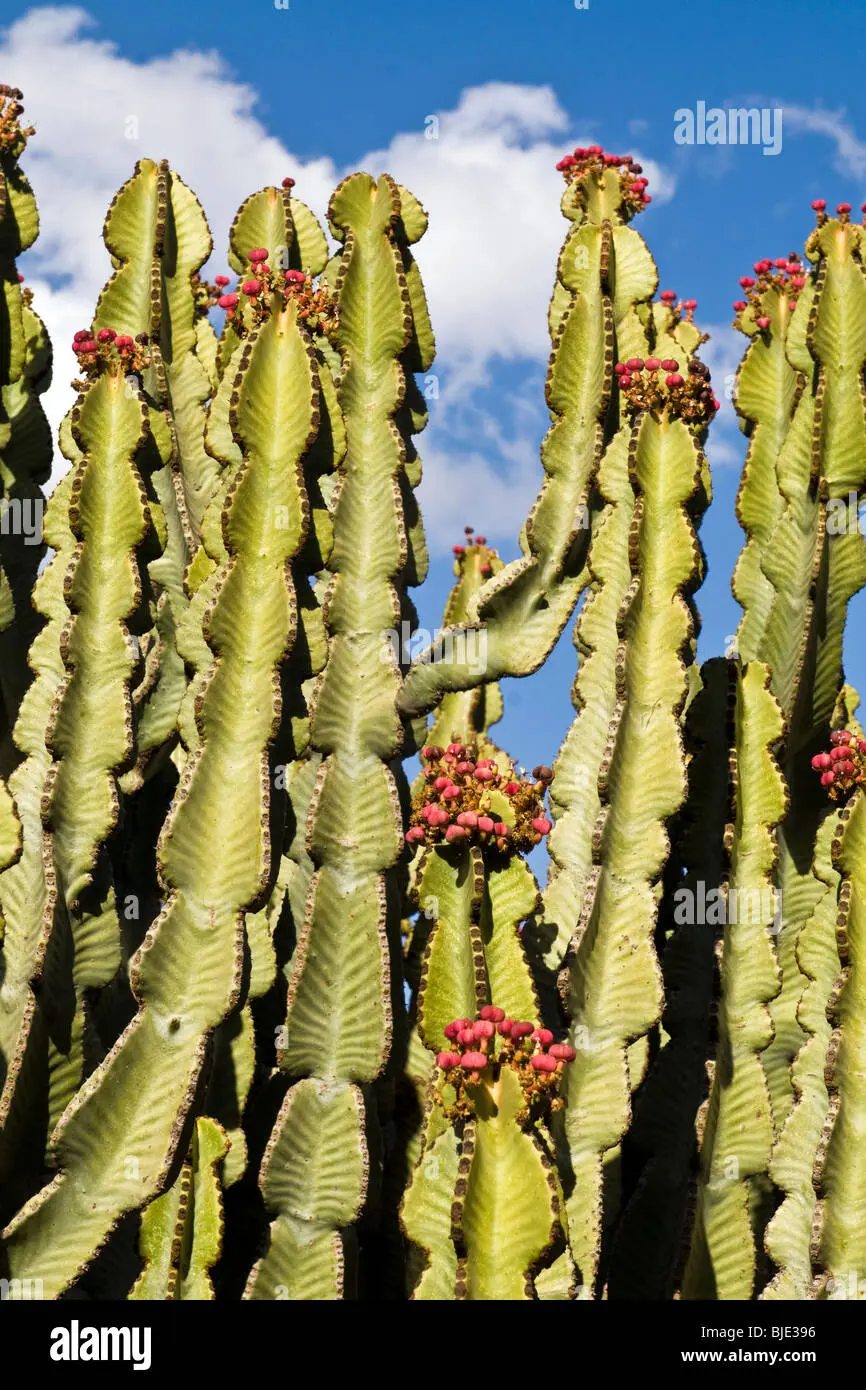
{"x": 843, "y": 210}
{"x": 843, "y": 768}
{"x": 682, "y": 309}
{"x": 786, "y": 274}
{"x": 13, "y": 136}
{"x": 657, "y": 385}
{"x": 108, "y": 351}
{"x": 317, "y": 310}
{"x": 481, "y": 1047}
{"x": 464, "y": 798}
{"x": 477, "y": 546}
{"x": 592, "y": 162}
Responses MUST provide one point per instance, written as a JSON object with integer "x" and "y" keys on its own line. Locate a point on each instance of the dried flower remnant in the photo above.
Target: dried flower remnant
{"x": 13, "y": 136}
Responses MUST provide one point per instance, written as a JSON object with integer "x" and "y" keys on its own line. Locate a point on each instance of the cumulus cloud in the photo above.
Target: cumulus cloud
{"x": 484, "y": 170}
{"x": 850, "y": 150}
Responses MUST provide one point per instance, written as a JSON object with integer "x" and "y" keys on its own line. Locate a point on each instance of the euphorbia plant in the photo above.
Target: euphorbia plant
{"x": 274, "y": 1024}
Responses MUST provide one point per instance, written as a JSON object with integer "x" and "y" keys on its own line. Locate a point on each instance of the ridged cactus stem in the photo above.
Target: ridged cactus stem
{"x": 215, "y": 864}
{"x": 604, "y": 271}
{"x": 614, "y": 990}
{"x": 344, "y": 981}
{"x": 733, "y": 1190}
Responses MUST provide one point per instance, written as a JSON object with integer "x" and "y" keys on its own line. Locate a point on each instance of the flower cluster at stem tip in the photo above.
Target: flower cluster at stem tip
{"x": 786, "y": 274}
{"x": 111, "y": 352}
{"x": 593, "y": 161}
{"x": 657, "y": 385}
{"x": 479, "y": 1048}
{"x": 464, "y": 799}
{"x": 844, "y": 767}
{"x": 13, "y": 136}
{"x": 474, "y": 545}
{"x": 251, "y": 301}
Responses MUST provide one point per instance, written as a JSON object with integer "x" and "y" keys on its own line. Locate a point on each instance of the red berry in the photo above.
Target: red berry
{"x": 521, "y": 1030}
{"x": 288, "y": 183}
{"x": 258, "y": 254}
{"x": 542, "y": 1062}
{"x": 473, "y": 1061}
{"x": 82, "y": 336}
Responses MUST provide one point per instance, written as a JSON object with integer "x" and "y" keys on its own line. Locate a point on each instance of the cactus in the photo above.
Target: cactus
{"x": 223, "y": 1074}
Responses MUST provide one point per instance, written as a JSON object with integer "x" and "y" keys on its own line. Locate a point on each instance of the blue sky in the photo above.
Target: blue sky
{"x": 237, "y": 98}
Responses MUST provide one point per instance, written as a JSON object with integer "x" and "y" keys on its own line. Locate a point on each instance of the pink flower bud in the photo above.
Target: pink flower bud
{"x": 521, "y": 1030}
{"x": 670, "y": 365}
{"x": 780, "y": 263}
{"x": 473, "y": 1061}
{"x": 511, "y": 787}
{"x": 259, "y": 254}
{"x": 227, "y": 301}
{"x": 81, "y": 336}
{"x": 106, "y": 335}
{"x": 652, "y": 364}
{"x": 827, "y": 778}
{"x": 493, "y": 1013}
{"x": 440, "y": 783}
{"x": 543, "y": 1036}
{"x": 674, "y": 379}
{"x": 819, "y": 205}
{"x": 746, "y": 281}
{"x": 542, "y": 1062}
{"x": 295, "y": 277}
{"x": 542, "y": 825}
{"x": 485, "y": 824}
{"x": 251, "y": 287}
{"x": 763, "y": 323}
{"x": 847, "y": 768}
{"x": 456, "y": 750}
{"x": 620, "y": 369}
{"x": 843, "y": 207}
{"x": 562, "y": 1052}
{"x": 668, "y": 296}
{"x": 739, "y": 305}
{"x": 438, "y": 816}
{"x": 288, "y": 183}
{"x": 468, "y": 819}
{"x": 635, "y": 364}
{"x": 123, "y": 342}
{"x": 483, "y": 1028}
{"x": 690, "y": 304}
{"x": 821, "y": 761}
{"x": 455, "y": 832}
{"x": 450, "y": 793}
{"x": 466, "y": 1035}
{"x": 220, "y": 279}
{"x": 480, "y": 540}
{"x": 504, "y": 1028}
{"x": 414, "y": 835}
{"x": 452, "y": 1029}
{"x": 446, "y": 1060}
{"x": 484, "y": 774}
{"x": 465, "y": 768}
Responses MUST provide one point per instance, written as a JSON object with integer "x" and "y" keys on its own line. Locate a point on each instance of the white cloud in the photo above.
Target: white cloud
{"x": 488, "y": 182}
{"x": 850, "y": 151}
